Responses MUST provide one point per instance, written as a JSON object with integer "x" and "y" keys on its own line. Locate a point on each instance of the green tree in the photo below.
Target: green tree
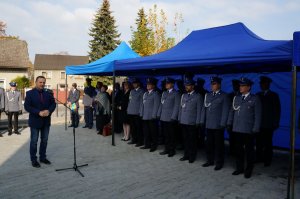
{"x": 142, "y": 38}
{"x": 22, "y": 82}
{"x": 105, "y": 37}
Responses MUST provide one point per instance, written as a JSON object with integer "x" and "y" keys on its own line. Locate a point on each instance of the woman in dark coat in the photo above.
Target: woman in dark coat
{"x": 123, "y": 111}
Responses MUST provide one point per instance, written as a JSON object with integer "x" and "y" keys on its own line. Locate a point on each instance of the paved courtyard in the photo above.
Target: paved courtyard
{"x": 124, "y": 171}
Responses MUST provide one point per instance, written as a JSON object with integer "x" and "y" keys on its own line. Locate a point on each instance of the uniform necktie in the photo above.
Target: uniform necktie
{"x": 243, "y": 97}
{"x": 13, "y": 92}
{"x": 214, "y": 93}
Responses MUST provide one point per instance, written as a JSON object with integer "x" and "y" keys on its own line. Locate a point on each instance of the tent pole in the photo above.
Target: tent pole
{"x": 66, "y": 97}
{"x": 291, "y": 177}
{"x": 113, "y": 110}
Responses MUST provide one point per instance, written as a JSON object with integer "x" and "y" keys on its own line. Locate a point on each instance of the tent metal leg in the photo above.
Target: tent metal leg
{"x": 291, "y": 177}
{"x": 66, "y": 97}
{"x": 113, "y": 111}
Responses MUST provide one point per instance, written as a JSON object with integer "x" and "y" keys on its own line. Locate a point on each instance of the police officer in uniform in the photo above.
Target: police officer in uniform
{"x": 13, "y": 107}
{"x": 88, "y": 98}
{"x": 189, "y": 118}
{"x": 235, "y": 92}
{"x": 245, "y": 117}
{"x": 270, "y": 121}
{"x": 168, "y": 114}
{"x": 133, "y": 112}
{"x": 214, "y": 116}
{"x": 73, "y": 99}
{"x": 148, "y": 112}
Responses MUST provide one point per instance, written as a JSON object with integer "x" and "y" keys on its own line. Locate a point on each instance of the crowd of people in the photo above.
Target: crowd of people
{"x": 189, "y": 117}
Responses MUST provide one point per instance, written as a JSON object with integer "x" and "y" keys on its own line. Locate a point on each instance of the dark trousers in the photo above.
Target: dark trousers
{"x": 15, "y": 123}
{"x": 231, "y": 140}
{"x": 190, "y": 141}
{"x": 136, "y": 131}
{"x": 264, "y": 145}
{"x": 101, "y": 121}
{"x": 215, "y": 146}
{"x": 244, "y": 143}
{"x": 201, "y": 137}
{"x": 169, "y": 134}
{"x": 75, "y": 118}
{"x": 150, "y": 133}
{"x": 34, "y": 136}
{"x": 179, "y": 136}
{"x": 88, "y": 116}
{"x": 118, "y": 121}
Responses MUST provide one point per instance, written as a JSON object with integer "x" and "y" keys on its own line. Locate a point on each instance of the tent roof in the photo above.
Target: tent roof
{"x": 104, "y": 65}
{"x": 213, "y": 50}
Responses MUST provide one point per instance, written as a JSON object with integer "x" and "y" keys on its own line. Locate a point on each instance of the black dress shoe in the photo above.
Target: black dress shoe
{"x": 152, "y": 149}
{"x": 99, "y": 133}
{"x": 183, "y": 158}
{"x": 164, "y": 153}
{"x": 1, "y": 135}
{"x": 171, "y": 154}
{"x": 85, "y": 126}
{"x": 36, "y": 164}
{"x": 145, "y": 147}
{"x": 138, "y": 145}
{"x": 207, "y": 164}
{"x": 18, "y": 133}
{"x": 218, "y": 167}
{"x": 237, "y": 172}
{"x": 70, "y": 126}
{"x": 191, "y": 160}
{"x": 45, "y": 161}
{"x": 248, "y": 174}
{"x": 9, "y": 133}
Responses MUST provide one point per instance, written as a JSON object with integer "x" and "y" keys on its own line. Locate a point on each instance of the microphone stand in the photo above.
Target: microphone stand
{"x": 75, "y": 166}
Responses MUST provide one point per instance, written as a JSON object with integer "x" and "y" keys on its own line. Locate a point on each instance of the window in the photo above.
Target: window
{"x": 63, "y": 75}
{"x": 62, "y": 85}
{"x": 47, "y": 75}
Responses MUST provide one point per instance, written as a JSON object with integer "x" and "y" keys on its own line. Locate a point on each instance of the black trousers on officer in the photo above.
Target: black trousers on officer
{"x": 151, "y": 134}
{"x": 264, "y": 146}
{"x": 13, "y": 124}
{"x": 136, "y": 129}
{"x": 190, "y": 141}
{"x": 75, "y": 118}
{"x": 215, "y": 146}
{"x": 244, "y": 146}
{"x": 169, "y": 134}
{"x": 88, "y": 116}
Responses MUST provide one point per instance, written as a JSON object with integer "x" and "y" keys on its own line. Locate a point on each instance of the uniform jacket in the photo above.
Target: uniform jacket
{"x": 245, "y": 115}
{"x": 35, "y": 102}
{"x": 215, "y": 110}
{"x": 74, "y": 96}
{"x": 150, "y": 105}
{"x": 88, "y": 97}
{"x": 2, "y": 96}
{"x": 135, "y": 101}
{"x": 13, "y": 101}
{"x": 169, "y": 106}
{"x": 271, "y": 109}
{"x": 190, "y": 109}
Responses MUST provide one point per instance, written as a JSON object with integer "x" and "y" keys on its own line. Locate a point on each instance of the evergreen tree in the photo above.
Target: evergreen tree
{"x": 105, "y": 37}
{"x": 142, "y": 38}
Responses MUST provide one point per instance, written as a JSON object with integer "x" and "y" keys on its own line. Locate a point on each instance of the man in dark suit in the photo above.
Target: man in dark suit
{"x": 73, "y": 102}
{"x": 270, "y": 121}
{"x": 40, "y": 104}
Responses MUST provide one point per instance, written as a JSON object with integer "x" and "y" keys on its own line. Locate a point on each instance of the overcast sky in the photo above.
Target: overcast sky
{"x": 62, "y": 25}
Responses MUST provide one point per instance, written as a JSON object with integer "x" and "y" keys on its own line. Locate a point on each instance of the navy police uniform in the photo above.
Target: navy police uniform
{"x": 245, "y": 117}
{"x": 189, "y": 118}
{"x": 148, "y": 112}
{"x": 133, "y": 112}
{"x": 168, "y": 114}
{"x": 214, "y": 116}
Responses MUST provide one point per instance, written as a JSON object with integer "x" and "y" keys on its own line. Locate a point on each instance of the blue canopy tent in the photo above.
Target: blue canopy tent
{"x": 104, "y": 65}
{"x": 225, "y": 50}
